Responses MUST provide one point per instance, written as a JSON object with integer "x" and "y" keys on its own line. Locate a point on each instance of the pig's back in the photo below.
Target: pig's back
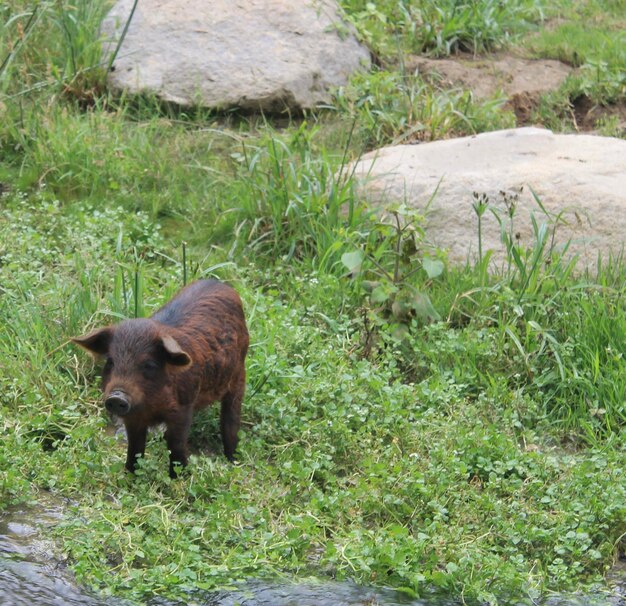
{"x": 201, "y": 302}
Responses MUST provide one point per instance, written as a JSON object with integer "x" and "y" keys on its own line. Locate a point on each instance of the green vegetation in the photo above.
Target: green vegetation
{"x": 592, "y": 36}
{"x": 579, "y": 32}
{"x": 407, "y": 423}
{"x": 395, "y": 106}
{"x": 439, "y": 27}
{"x": 392, "y": 108}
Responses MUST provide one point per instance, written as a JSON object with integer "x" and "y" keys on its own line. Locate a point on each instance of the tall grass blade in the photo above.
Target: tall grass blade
{"x": 122, "y": 36}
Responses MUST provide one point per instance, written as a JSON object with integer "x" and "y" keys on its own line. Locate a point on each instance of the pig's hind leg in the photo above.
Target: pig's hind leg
{"x": 230, "y": 420}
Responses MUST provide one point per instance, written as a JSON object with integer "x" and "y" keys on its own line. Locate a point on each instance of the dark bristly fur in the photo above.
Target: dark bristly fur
{"x": 161, "y": 369}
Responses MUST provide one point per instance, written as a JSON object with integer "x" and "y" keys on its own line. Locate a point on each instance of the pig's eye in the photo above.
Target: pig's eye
{"x": 108, "y": 364}
{"x": 149, "y": 368}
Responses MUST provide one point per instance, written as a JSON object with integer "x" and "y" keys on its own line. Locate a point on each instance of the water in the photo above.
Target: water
{"x": 313, "y": 594}
{"x": 32, "y": 573}
{"x": 348, "y": 594}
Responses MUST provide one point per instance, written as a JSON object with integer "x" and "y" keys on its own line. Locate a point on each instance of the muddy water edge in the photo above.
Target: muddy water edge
{"x": 34, "y": 573}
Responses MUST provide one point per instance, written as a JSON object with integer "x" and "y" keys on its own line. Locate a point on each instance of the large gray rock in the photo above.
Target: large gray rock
{"x": 265, "y": 55}
{"x": 580, "y": 180}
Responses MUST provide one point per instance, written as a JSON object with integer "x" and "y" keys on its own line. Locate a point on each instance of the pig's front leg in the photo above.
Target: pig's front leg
{"x": 136, "y": 435}
{"x": 176, "y": 437}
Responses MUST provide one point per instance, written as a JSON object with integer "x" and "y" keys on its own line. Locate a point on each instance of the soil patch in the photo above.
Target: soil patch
{"x": 500, "y": 74}
{"x": 521, "y": 81}
{"x": 587, "y": 115}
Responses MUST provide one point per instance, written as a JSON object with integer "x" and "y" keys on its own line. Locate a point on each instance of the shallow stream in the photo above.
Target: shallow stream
{"x": 33, "y": 574}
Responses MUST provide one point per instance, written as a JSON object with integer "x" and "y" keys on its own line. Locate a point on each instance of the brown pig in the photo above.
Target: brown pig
{"x": 161, "y": 369}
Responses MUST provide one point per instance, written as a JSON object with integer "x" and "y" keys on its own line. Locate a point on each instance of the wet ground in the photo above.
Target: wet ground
{"x": 33, "y": 573}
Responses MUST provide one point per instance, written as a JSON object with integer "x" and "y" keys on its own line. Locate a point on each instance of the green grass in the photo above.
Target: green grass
{"x": 392, "y": 108}
{"x": 443, "y": 460}
{"x": 52, "y": 46}
{"x": 440, "y": 28}
{"x": 577, "y": 43}
{"x": 591, "y": 36}
{"x": 407, "y": 424}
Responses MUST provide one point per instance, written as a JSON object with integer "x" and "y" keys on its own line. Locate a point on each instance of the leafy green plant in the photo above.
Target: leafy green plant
{"x": 433, "y": 465}
{"x": 386, "y": 270}
{"x": 601, "y": 82}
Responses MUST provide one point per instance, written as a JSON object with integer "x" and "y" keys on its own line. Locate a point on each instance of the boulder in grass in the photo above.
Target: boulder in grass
{"x": 259, "y": 55}
{"x": 574, "y": 183}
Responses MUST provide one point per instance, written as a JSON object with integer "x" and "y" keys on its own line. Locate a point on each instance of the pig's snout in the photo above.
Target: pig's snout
{"x": 118, "y": 403}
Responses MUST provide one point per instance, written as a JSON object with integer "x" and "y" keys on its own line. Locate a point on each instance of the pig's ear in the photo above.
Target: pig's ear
{"x": 96, "y": 342}
{"x": 175, "y": 355}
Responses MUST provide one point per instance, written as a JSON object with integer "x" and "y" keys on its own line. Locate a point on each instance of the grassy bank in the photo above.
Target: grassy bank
{"x": 443, "y": 430}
